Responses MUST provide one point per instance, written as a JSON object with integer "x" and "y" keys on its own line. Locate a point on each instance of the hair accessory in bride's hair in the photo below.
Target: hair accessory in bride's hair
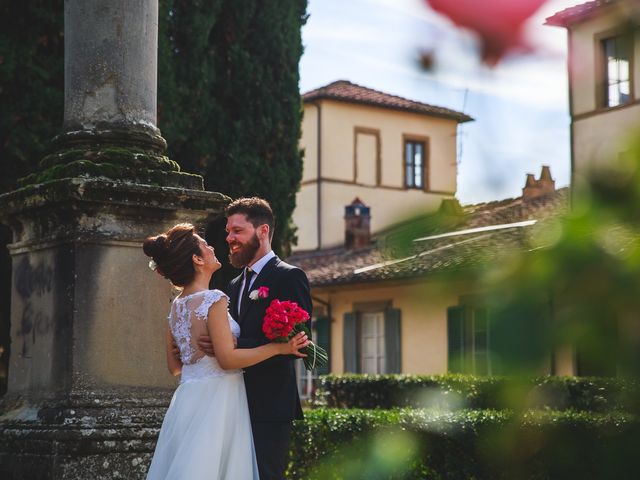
{"x": 153, "y": 265}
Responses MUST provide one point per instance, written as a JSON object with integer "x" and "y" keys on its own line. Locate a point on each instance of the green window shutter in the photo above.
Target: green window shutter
{"x": 350, "y": 343}
{"x": 481, "y": 341}
{"x": 323, "y": 339}
{"x": 455, "y": 332}
{"x": 392, "y": 345}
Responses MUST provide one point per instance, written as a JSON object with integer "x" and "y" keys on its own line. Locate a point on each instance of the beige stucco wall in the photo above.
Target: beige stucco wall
{"x": 340, "y": 119}
{"x": 309, "y": 142}
{"x": 603, "y": 138}
{"x": 599, "y": 134}
{"x": 305, "y": 216}
{"x": 387, "y": 207}
{"x": 583, "y": 41}
{"x": 423, "y": 321}
{"x": 342, "y": 181}
{"x": 423, "y": 305}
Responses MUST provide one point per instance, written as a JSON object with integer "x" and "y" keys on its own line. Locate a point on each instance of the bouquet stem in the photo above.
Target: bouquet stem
{"x": 316, "y": 357}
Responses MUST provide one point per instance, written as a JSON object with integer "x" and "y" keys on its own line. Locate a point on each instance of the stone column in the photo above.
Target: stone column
{"x": 88, "y": 384}
{"x": 109, "y": 130}
{"x": 111, "y": 71}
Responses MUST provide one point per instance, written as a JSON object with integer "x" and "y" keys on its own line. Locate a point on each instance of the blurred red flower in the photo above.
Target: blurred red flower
{"x": 498, "y": 23}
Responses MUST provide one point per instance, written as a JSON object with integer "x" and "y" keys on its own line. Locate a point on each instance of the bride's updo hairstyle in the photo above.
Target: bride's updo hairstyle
{"x": 172, "y": 252}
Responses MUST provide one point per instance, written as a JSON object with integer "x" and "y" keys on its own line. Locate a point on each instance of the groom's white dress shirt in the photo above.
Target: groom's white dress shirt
{"x": 257, "y": 268}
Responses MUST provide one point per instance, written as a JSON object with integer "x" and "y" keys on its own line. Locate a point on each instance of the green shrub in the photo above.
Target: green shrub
{"x": 466, "y": 444}
{"x": 467, "y": 391}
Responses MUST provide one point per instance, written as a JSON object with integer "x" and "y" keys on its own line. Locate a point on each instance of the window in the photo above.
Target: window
{"x": 468, "y": 335}
{"x": 414, "y": 164}
{"x": 371, "y": 339}
{"x": 485, "y": 341}
{"x": 306, "y": 381}
{"x": 372, "y": 358}
{"x": 320, "y": 333}
{"x": 616, "y": 54}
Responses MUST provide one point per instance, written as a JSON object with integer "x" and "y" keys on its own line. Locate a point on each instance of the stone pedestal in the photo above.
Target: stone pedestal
{"x": 88, "y": 383}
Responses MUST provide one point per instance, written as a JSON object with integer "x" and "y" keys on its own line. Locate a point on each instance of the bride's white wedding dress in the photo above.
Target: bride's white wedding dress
{"x": 206, "y": 432}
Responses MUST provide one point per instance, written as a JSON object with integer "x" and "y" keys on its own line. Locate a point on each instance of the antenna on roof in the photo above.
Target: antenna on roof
{"x": 460, "y": 126}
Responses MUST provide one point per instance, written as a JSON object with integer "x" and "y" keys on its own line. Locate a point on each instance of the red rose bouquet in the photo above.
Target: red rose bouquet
{"x": 284, "y": 320}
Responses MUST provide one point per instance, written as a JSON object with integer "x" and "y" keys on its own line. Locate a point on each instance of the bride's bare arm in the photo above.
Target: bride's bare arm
{"x": 231, "y": 358}
{"x": 173, "y": 360}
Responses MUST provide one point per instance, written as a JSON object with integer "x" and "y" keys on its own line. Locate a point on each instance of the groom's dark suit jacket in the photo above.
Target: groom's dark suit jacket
{"x": 272, "y": 391}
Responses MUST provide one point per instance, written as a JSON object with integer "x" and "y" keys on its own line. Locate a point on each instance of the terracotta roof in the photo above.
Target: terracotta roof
{"x": 441, "y": 243}
{"x": 575, "y": 14}
{"x": 345, "y": 91}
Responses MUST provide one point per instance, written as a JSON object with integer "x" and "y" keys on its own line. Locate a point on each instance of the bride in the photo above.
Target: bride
{"x": 206, "y": 432}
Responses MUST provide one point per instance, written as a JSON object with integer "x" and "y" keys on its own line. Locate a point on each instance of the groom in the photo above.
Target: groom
{"x": 272, "y": 391}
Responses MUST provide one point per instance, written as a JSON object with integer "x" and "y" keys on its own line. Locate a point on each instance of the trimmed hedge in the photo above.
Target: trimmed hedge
{"x": 466, "y": 444}
{"x": 467, "y": 391}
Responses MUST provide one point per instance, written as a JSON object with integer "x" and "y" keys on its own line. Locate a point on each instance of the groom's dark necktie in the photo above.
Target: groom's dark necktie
{"x": 244, "y": 301}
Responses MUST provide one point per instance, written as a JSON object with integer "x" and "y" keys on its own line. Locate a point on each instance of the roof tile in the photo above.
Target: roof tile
{"x": 382, "y": 261}
{"x": 343, "y": 90}
{"x": 574, "y": 14}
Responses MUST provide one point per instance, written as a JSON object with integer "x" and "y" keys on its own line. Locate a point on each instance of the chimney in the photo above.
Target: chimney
{"x": 450, "y": 207}
{"x": 357, "y": 219}
{"x": 545, "y": 185}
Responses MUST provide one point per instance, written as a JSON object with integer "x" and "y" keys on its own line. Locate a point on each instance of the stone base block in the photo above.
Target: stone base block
{"x": 89, "y": 436}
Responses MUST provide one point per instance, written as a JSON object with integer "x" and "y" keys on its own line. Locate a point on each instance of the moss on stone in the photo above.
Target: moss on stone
{"x": 61, "y": 157}
{"x": 115, "y": 162}
{"x": 115, "y": 171}
{"x": 115, "y": 155}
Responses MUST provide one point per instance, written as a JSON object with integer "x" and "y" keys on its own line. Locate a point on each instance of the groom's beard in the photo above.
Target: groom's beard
{"x": 245, "y": 253}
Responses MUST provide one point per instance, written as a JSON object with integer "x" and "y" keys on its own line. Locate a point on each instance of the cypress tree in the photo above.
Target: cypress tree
{"x": 31, "y": 84}
{"x": 229, "y": 104}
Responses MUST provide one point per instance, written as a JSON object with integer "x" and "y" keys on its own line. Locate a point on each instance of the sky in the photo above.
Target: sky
{"x": 520, "y": 106}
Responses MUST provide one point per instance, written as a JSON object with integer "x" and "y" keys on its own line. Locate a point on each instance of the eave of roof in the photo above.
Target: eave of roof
{"x": 347, "y": 92}
{"x": 482, "y": 235}
{"x": 577, "y": 13}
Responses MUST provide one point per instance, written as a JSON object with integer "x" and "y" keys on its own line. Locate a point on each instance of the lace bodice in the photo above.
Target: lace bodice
{"x": 187, "y": 321}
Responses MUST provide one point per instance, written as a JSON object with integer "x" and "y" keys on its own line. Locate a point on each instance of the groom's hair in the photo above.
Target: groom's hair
{"x": 257, "y": 210}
